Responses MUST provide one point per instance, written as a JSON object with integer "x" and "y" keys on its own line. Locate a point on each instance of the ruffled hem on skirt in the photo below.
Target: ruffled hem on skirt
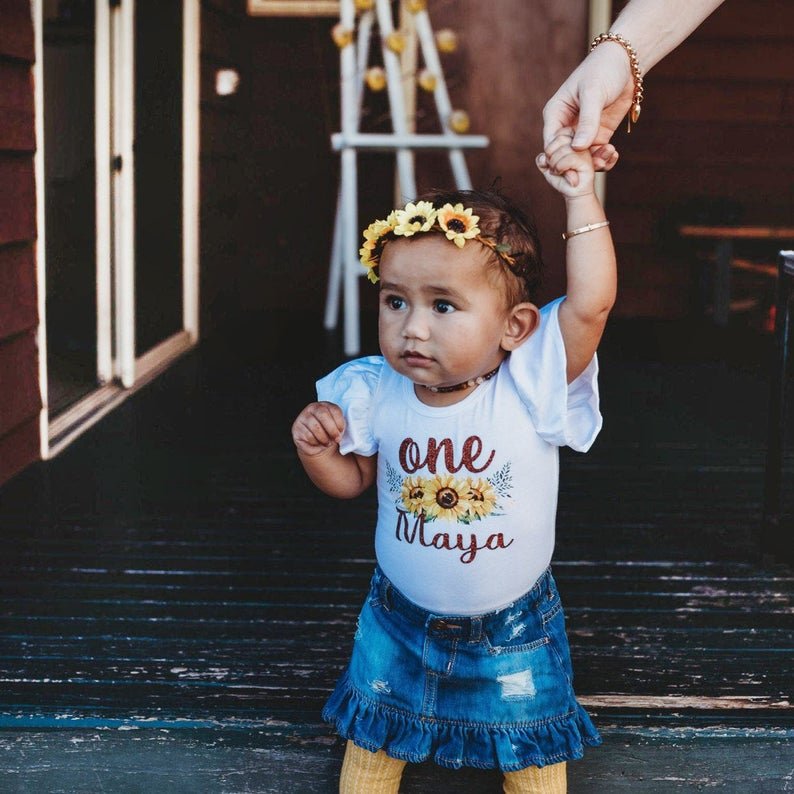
{"x": 455, "y": 744}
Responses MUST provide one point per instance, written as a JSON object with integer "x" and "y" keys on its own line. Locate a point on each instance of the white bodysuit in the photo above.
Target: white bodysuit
{"x": 467, "y": 493}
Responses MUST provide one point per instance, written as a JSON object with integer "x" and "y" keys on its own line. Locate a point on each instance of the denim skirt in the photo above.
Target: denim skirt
{"x": 488, "y": 691}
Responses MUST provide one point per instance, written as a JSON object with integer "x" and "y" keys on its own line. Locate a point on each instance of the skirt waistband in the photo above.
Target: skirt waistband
{"x": 468, "y": 628}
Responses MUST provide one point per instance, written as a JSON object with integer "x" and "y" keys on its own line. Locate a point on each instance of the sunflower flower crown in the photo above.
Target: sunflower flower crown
{"x": 455, "y": 222}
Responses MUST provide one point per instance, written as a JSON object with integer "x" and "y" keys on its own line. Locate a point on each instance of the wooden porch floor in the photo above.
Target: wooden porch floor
{"x": 177, "y": 599}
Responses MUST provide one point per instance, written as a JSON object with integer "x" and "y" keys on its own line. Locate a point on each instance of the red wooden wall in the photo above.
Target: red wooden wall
{"x": 716, "y": 125}
{"x": 19, "y": 380}
{"x": 507, "y": 66}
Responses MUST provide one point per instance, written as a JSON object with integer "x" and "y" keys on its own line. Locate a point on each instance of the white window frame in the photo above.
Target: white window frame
{"x": 123, "y": 375}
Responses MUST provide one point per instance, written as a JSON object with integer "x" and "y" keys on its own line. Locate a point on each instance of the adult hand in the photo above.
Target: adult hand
{"x": 593, "y": 101}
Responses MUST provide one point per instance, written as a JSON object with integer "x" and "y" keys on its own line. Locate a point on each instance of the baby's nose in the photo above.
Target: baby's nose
{"x": 416, "y": 326}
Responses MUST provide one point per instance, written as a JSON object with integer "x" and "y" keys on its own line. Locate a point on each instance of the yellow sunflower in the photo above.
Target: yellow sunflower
{"x": 418, "y": 217}
{"x": 413, "y": 494}
{"x": 370, "y": 261}
{"x": 375, "y": 231}
{"x": 481, "y": 496}
{"x": 446, "y": 496}
{"x": 458, "y": 224}
{"x": 369, "y": 252}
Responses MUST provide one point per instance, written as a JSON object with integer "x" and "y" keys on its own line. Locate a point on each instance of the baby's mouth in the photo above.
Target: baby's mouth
{"x": 413, "y": 356}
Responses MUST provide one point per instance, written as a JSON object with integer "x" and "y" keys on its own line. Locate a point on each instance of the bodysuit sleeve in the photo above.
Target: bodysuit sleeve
{"x": 352, "y": 387}
{"x": 563, "y": 414}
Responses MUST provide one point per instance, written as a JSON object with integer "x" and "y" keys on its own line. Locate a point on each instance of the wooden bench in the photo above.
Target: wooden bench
{"x": 724, "y": 237}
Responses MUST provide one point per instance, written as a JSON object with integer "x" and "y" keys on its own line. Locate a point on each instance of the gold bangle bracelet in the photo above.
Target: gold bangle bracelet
{"x": 634, "y": 63}
{"x": 582, "y": 229}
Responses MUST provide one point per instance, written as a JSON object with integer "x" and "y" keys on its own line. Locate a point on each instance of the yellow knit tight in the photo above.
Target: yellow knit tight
{"x": 537, "y": 780}
{"x": 364, "y": 772}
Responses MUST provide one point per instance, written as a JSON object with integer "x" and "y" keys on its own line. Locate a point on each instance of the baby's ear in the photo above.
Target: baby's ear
{"x": 521, "y": 322}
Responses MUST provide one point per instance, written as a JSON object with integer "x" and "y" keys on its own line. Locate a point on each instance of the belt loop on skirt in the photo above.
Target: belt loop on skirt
{"x": 475, "y": 629}
{"x": 549, "y": 587}
{"x": 386, "y": 587}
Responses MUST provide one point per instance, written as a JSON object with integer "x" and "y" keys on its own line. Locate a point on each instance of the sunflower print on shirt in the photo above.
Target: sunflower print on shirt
{"x": 449, "y": 497}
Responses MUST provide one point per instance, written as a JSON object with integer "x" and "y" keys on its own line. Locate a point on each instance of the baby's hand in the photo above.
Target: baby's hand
{"x": 319, "y": 427}
{"x": 571, "y": 172}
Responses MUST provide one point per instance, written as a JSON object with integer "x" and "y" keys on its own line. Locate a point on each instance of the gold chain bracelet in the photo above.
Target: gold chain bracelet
{"x": 634, "y": 111}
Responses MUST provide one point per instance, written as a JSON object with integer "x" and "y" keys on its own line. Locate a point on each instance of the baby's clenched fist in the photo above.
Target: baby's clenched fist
{"x": 318, "y": 427}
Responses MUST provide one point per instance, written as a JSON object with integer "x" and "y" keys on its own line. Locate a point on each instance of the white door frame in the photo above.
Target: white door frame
{"x": 121, "y": 375}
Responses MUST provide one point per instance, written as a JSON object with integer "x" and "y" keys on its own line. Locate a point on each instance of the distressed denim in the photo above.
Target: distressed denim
{"x": 494, "y": 690}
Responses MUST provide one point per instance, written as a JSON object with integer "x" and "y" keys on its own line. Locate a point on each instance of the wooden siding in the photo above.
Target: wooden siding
{"x": 715, "y": 132}
{"x": 20, "y": 398}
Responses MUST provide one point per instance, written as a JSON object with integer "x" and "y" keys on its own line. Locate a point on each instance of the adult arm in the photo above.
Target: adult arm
{"x": 597, "y": 95}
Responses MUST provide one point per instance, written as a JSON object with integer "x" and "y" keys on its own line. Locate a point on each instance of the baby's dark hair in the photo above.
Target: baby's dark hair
{"x": 506, "y": 225}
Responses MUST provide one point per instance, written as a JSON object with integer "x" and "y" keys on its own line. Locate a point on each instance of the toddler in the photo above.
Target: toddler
{"x": 460, "y": 654}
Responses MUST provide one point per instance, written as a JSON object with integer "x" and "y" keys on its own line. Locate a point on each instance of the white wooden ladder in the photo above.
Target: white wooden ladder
{"x": 345, "y": 266}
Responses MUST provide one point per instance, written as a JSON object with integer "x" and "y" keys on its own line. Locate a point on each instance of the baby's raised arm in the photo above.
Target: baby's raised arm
{"x": 316, "y": 433}
{"x": 590, "y": 256}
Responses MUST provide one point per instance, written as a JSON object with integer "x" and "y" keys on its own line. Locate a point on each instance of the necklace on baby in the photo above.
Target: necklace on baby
{"x": 467, "y": 384}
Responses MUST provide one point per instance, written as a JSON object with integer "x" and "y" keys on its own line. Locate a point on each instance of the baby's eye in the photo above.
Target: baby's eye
{"x": 393, "y": 302}
{"x": 444, "y": 307}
